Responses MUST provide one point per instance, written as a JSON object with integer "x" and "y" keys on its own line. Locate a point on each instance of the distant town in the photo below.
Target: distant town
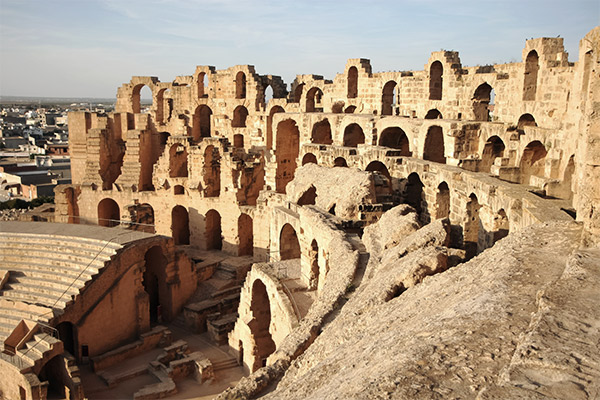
{"x": 34, "y": 147}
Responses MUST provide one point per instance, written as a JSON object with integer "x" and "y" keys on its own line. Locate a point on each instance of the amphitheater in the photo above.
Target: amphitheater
{"x": 402, "y": 234}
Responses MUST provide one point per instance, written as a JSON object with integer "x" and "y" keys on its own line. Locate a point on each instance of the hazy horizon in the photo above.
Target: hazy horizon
{"x": 87, "y": 49}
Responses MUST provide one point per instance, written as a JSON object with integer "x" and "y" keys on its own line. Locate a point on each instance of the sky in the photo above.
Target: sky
{"x": 88, "y": 48}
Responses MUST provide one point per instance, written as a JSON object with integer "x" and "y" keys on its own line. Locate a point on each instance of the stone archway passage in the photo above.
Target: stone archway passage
{"x": 180, "y": 225}
{"x": 289, "y": 246}
{"x": 435, "y": 80}
{"x": 309, "y": 158}
{"x": 395, "y": 138}
{"x": 109, "y": 214}
{"x": 533, "y": 161}
{"x": 153, "y": 282}
{"x": 471, "y": 228}
{"x": 260, "y": 308}
{"x": 321, "y": 132}
{"x": 214, "y": 241}
{"x": 442, "y": 200}
{"x": 245, "y": 235}
{"x": 287, "y": 149}
{"x": 434, "y": 145}
{"x": 353, "y": 135}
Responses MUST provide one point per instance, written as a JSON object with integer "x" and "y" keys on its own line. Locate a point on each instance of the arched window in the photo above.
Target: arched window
{"x": 109, "y": 214}
{"x": 201, "y": 122}
{"x": 313, "y": 100}
{"x": 435, "y": 81}
{"x": 286, "y": 153}
{"x": 352, "y": 83}
{"x": 481, "y": 102}
{"x": 240, "y": 85}
{"x": 180, "y": 225}
{"x": 353, "y": 135}
{"x": 289, "y": 246}
{"x": 245, "y": 235}
{"x": 309, "y": 158}
{"x": 321, "y": 132}
{"x": 532, "y": 66}
{"x": 388, "y": 98}
{"x": 395, "y": 138}
{"x": 434, "y": 145}
{"x": 212, "y": 232}
{"x": 178, "y": 161}
{"x": 240, "y": 113}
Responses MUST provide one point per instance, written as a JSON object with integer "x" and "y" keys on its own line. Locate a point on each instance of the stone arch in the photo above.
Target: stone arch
{"x": 267, "y": 94}
{"x": 340, "y": 162}
{"x": 353, "y": 135}
{"x": 109, "y": 214}
{"x": 481, "y": 102}
{"x": 212, "y": 232}
{"x": 178, "y": 161}
{"x": 434, "y": 113}
{"x": 413, "y": 192}
{"x": 212, "y": 172}
{"x": 201, "y": 121}
{"x": 54, "y": 372}
{"x": 308, "y": 197}
{"x": 154, "y": 282}
{"x": 532, "y": 161}
{"x": 180, "y": 225}
{"x": 493, "y": 148}
{"x": 471, "y": 227}
{"x": 395, "y": 138}
{"x": 388, "y": 98}
{"x": 501, "y": 225}
{"x": 350, "y": 110}
{"x": 321, "y": 132}
{"x": 436, "y": 70}
{"x": 287, "y": 150}
{"x": 442, "y": 201}
{"x": 240, "y": 85}
{"x": 142, "y": 217}
{"x": 532, "y": 66}
{"x": 383, "y": 181}
{"x": 240, "y": 114}
{"x": 260, "y": 309}
{"x": 525, "y": 120}
{"x": 313, "y": 99}
{"x": 136, "y": 97}
{"x": 289, "y": 246}
{"x": 352, "y": 83}
{"x": 309, "y": 158}
{"x": 434, "y": 145}
{"x": 274, "y": 110}
{"x": 178, "y": 189}
{"x": 245, "y": 235}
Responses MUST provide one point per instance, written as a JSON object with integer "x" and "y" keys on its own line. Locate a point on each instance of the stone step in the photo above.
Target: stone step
{"x": 15, "y": 263}
{"x": 58, "y": 258}
{"x": 71, "y": 287}
{"x": 14, "y": 313}
{"x": 57, "y": 240}
{"x": 27, "y": 296}
{"x": 55, "y": 248}
{"x": 59, "y": 292}
{"x": 64, "y": 277}
{"x": 225, "y": 364}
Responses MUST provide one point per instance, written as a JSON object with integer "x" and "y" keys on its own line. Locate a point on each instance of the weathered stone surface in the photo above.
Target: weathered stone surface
{"x": 392, "y": 227}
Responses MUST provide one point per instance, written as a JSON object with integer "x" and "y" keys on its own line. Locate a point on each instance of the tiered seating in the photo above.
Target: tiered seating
{"x": 47, "y": 271}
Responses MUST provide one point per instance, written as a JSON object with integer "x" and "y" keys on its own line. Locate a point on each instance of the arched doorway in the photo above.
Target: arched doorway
{"x": 532, "y": 66}
{"x": 383, "y": 181}
{"x": 433, "y": 114}
{"x": 435, "y": 80}
{"x": 109, "y": 214}
{"x": 353, "y": 135}
{"x": 413, "y": 192}
{"x": 287, "y": 149}
{"x": 313, "y": 100}
{"x": 212, "y": 172}
{"x": 201, "y": 122}
{"x": 525, "y": 120}
{"x": 471, "y": 228}
{"x": 289, "y": 246}
{"x": 180, "y": 225}
{"x": 140, "y": 92}
{"x": 388, "y": 98}
{"x": 214, "y": 240}
{"x": 352, "y": 83}
{"x": 442, "y": 200}
{"x": 340, "y": 162}
{"x": 481, "y": 102}
{"x": 321, "y": 132}
{"x": 532, "y": 162}
{"x": 494, "y": 148}
{"x": 54, "y": 372}
{"x": 178, "y": 161}
{"x": 240, "y": 85}
{"x": 260, "y": 308}
{"x": 154, "y": 282}
{"x": 309, "y": 158}
{"x": 240, "y": 114}
{"x": 245, "y": 235}
{"x": 67, "y": 335}
{"x": 434, "y": 145}
{"x": 395, "y": 138}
